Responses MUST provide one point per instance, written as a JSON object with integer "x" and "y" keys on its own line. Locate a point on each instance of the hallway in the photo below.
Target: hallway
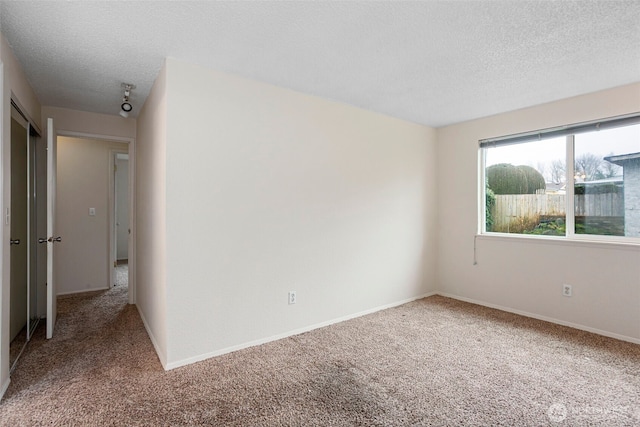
{"x": 121, "y": 276}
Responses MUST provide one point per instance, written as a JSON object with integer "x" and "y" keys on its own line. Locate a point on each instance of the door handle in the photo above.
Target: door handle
{"x": 55, "y": 239}
{"x": 14, "y": 241}
{"x": 42, "y": 240}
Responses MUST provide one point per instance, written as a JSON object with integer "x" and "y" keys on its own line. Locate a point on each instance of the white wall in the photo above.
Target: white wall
{"x": 526, "y": 275}
{"x": 150, "y": 222}
{"x": 14, "y": 84}
{"x": 84, "y": 174}
{"x": 269, "y": 190}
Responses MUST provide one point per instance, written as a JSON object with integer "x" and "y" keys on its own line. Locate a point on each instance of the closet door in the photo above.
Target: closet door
{"x": 19, "y": 220}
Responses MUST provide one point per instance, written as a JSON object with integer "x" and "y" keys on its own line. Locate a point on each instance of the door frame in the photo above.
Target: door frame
{"x": 132, "y": 198}
{"x": 113, "y": 241}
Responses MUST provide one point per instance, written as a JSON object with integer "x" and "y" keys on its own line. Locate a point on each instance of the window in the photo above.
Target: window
{"x": 577, "y": 181}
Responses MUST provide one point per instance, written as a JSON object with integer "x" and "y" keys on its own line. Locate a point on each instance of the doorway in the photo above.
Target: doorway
{"x": 87, "y": 215}
{"x": 120, "y": 226}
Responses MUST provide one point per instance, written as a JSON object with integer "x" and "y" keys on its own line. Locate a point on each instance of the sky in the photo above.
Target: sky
{"x": 623, "y": 140}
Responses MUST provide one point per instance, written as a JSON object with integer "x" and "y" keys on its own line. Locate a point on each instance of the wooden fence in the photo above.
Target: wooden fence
{"x": 512, "y": 206}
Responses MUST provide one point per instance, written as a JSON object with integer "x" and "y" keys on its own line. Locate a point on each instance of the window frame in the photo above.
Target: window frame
{"x": 569, "y": 133}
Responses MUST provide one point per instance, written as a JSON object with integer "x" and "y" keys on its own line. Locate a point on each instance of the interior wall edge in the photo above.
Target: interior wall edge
{"x": 161, "y": 357}
{"x": 149, "y": 183}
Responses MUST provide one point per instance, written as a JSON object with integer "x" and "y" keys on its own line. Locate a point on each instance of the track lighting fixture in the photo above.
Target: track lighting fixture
{"x": 126, "y": 106}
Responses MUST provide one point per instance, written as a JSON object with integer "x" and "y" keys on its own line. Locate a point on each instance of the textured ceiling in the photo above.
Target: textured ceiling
{"x": 433, "y": 62}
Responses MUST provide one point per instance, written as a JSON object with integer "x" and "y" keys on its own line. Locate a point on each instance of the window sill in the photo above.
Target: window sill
{"x": 633, "y": 244}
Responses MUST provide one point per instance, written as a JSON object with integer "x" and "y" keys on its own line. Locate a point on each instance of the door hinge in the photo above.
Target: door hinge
{"x": 115, "y": 264}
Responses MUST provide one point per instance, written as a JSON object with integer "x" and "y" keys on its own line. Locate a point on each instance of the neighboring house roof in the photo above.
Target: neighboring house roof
{"x": 555, "y": 186}
{"x": 621, "y": 159}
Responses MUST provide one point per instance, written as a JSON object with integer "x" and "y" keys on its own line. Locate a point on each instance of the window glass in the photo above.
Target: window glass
{"x": 607, "y": 182}
{"x": 526, "y": 187}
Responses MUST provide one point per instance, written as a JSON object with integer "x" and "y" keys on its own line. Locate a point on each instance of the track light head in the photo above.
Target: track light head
{"x": 126, "y": 106}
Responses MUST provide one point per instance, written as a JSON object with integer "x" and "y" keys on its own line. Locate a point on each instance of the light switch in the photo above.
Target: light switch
{"x": 92, "y": 211}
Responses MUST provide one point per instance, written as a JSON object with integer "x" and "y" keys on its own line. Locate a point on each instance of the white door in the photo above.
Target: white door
{"x": 52, "y": 238}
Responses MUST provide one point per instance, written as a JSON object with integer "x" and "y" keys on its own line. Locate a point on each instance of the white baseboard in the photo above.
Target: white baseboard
{"x": 260, "y": 341}
{"x": 81, "y": 291}
{"x": 152, "y": 337}
{"x": 545, "y": 318}
{"x": 4, "y": 388}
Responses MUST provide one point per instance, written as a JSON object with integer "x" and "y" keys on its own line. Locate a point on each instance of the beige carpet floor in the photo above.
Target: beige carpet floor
{"x": 17, "y": 345}
{"x": 433, "y": 362}
{"x": 121, "y": 278}
{"x": 121, "y": 275}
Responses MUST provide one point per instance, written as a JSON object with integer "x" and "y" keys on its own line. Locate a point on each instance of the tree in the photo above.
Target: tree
{"x": 535, "y": 180}
{"x": 558, "y": 171}
{"x": 542, "y": 168}
{"x": 609, "y": 170}
{"x": 504, "y": 178}
{"x": 588, "y": 166}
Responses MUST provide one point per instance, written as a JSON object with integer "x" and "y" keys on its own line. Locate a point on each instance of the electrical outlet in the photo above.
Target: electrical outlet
{"x": 566, "y": 290}
{"x": 292, "y": 297}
